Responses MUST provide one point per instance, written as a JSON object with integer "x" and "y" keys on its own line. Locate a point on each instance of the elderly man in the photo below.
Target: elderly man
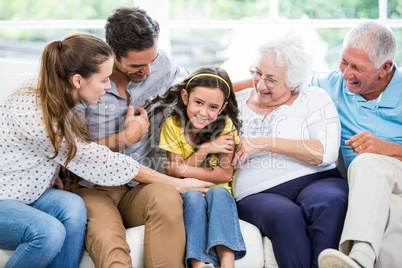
{"x": 368, "y": 93}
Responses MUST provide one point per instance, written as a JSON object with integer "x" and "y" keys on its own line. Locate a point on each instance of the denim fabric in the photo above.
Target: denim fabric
{"x": 210, "y": 221}
{"x": 301, "y": 217}
{"x": 47, "y": 233}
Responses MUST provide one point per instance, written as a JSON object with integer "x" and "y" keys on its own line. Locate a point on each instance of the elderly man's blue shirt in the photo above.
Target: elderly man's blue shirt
{"x": 382, "y": 116}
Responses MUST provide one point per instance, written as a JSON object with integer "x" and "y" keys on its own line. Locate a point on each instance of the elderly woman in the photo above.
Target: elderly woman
{"x": 287, "y": 183}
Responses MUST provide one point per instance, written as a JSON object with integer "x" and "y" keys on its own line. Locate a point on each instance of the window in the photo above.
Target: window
{"x": 229, "y": 31}
{"x": 224, "y": 32}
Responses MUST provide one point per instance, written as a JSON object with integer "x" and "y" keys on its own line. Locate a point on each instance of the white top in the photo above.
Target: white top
{"x": 312, "y": 115}
{"x": 25, "y": 170}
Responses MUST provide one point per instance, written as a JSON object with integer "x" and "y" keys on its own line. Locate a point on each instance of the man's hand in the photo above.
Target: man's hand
{"x": 366, "y": 142}
{"x": 136, "y": 126}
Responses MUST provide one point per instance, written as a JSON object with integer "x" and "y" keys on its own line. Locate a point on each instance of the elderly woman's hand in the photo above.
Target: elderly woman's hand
{"x": 247, "y": 147}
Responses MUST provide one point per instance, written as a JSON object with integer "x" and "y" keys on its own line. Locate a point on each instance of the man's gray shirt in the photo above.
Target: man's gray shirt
{"x": 107, "y": 117}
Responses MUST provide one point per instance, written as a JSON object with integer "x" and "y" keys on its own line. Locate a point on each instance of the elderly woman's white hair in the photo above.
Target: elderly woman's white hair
{"x": 290, "y": 52}
{"x": 374, "y": 38}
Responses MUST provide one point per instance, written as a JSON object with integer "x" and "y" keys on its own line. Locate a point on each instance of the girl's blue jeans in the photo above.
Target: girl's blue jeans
{"x": 209, "y": 221}
{"x": 46, "y": 233}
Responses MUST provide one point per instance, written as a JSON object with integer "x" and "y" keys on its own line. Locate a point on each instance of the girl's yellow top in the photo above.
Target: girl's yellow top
{"x": 172, "y": 139}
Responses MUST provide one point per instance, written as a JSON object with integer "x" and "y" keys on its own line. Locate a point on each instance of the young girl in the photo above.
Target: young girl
{"x": 199, "y": 136}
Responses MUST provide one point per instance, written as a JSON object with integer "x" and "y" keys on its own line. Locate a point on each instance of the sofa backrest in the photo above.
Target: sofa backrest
{"x": 13, "y": 72}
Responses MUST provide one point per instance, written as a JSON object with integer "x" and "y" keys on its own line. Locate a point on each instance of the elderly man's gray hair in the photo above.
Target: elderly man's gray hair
{"x": 374, "y": 38}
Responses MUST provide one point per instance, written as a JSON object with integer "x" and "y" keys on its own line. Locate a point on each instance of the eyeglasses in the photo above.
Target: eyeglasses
{"x": 269, "y": 81}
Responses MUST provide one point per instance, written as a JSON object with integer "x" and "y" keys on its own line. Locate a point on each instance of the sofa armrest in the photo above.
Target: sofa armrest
{"x": 255, "y": 254}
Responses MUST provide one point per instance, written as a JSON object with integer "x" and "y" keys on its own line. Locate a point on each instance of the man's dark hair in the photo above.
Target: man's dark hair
{"x": 129, "y": 29}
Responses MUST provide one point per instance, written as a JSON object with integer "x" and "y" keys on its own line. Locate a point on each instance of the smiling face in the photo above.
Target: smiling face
{"x": 90, "y": 90}
{"x": 137, "y": 65}
{"x": 360, "y": 75}
{"x": 271, "y": 89}
{"x": 204, "y": 104}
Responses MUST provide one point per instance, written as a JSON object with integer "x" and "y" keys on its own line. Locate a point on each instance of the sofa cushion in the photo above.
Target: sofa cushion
{"x": 255, "y": 254}
{"x": 269, "y": 258}
{"x": 135, "y": 237}
{"x": 4, "y": 256}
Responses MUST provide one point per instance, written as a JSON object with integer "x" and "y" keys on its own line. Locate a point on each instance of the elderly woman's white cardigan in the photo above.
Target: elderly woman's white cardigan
{"x": 312, "y": 115}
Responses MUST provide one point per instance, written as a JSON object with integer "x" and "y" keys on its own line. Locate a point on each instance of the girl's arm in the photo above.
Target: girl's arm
{"x": 219, "y": 174}
{"x": 147, "y": 175}
{"x": 222, "y": 144}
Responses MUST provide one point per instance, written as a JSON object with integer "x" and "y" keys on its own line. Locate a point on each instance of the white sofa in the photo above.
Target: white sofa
{"x": 259, "y": 249}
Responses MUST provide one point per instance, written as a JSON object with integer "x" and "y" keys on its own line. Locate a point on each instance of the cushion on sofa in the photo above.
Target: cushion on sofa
{"x": 269, "y": 258}
{"x": 135, "y": 236}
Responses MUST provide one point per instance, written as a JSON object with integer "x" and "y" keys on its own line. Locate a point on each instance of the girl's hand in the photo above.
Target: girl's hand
{"x": 222, "y": 144}
{"x": 247, "y": 147}
{"x": 175, "y": 169}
